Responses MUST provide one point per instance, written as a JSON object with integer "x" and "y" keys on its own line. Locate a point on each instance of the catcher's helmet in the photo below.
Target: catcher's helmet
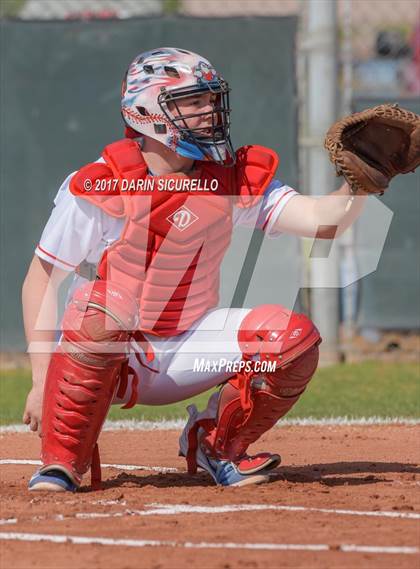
{"x": 167, "y": 75}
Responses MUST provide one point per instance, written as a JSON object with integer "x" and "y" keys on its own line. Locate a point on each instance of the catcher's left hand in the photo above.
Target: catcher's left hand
{"x": 371, "y": 147}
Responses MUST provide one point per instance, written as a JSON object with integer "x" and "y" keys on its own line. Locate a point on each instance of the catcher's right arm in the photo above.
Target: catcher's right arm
{"x": 371, "y": 147}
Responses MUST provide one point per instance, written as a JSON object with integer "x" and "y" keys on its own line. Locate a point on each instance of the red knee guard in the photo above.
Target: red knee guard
{"x": 252, "y": 402}
{"x": 83, "y": 377}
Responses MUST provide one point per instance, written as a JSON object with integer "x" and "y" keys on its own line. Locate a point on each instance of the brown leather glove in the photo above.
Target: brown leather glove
{"x": 371, "y": 147}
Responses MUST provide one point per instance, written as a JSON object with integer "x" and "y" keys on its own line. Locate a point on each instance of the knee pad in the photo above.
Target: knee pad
{"x": 99, "y": 313}
{"x": 275, "y": 333}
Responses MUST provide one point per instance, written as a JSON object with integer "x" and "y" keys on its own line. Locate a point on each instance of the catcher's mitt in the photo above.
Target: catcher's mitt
{"x": 371, "y": 147}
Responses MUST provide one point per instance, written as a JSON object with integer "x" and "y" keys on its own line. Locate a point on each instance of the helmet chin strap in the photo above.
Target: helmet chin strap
{"x": 190, "y": 150}
{"x": 184, "y": 148}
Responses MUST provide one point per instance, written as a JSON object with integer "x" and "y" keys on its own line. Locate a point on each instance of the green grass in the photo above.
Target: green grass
{"x": 10, "y": 8}
{"x": 356, "y": 390}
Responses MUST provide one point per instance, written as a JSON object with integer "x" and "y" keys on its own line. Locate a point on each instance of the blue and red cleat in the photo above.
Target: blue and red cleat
{"x": 244, "y": 471}
{"x": 53, "y": 480}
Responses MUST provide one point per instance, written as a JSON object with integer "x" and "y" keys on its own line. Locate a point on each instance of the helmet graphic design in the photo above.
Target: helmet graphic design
{"x": 154, "y": 84}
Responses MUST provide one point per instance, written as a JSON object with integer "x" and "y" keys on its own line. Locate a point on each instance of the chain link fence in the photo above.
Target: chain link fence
{"x": 381, "y": 38}
{"x": 84, "y": 9}
{"x": 385, "y": 46}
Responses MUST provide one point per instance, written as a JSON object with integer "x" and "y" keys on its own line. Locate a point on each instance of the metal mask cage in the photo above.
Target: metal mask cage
{"x": 207, "y": 137}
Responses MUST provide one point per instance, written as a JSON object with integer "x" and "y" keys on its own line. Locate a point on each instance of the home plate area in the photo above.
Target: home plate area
{"x": 345, "y": 495}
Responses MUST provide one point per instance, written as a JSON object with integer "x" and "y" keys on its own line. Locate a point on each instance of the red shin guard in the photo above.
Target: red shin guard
{"x": 77, "y": 398}
{"x": 83, "y": 376}
{"x": 270, "y": 399}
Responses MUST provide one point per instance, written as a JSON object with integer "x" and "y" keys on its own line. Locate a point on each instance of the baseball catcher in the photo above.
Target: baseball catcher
{"x": 144, "y": 229}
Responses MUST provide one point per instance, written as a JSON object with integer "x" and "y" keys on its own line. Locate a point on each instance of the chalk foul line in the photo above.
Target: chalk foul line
{"x": 176, "y": 509}
{"x": 81, "y": 540}
{"x": 178, "y": 424}
{"x": 162, "y": 469}
{"x": 156, "y": 509}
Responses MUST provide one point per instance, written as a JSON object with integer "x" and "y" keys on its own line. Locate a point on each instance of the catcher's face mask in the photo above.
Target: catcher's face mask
{"x": 155, "y": 86}
{"x": 207, "y": 128}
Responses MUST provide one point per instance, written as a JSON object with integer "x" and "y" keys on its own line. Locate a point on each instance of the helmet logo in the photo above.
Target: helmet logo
{"x": 296, "y": 333}
{"x": 182, "y": 218}
{"x": 204, "y": 72}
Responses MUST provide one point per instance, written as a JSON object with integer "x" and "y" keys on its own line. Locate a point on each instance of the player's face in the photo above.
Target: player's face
{"x": 197, "y": 109}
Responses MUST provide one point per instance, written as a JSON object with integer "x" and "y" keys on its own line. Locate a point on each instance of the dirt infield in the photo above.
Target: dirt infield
{"x": 345, "y": 496}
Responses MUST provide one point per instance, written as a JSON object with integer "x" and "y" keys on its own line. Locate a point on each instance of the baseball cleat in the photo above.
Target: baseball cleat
{"x": 226, "y": 473}
{"x": 247, "y": 470}
{"x": 262, "y": 461}
{"x": 51, "y": 481}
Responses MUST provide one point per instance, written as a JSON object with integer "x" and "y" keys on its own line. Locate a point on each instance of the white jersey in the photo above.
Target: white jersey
{"x": 79, "y": 231}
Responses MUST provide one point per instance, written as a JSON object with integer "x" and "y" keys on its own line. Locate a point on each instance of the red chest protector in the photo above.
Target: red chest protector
{"x": 173, "y": 242}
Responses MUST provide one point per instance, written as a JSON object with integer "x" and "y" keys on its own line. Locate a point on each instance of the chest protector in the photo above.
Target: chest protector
{"x": 177, "y": 228}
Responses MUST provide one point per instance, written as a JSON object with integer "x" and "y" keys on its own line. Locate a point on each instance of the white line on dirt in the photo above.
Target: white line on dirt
{"x": 110, "y": 502}
{"x": 81, "y": 540}
{"x": 177, "y": 509}
{"x": 177, "y": 424}
{"x": 173, "y": 509}
{"x": 162, "y": 469}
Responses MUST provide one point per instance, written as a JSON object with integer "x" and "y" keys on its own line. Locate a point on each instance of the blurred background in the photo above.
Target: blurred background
{"x": 294, "y": 66}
